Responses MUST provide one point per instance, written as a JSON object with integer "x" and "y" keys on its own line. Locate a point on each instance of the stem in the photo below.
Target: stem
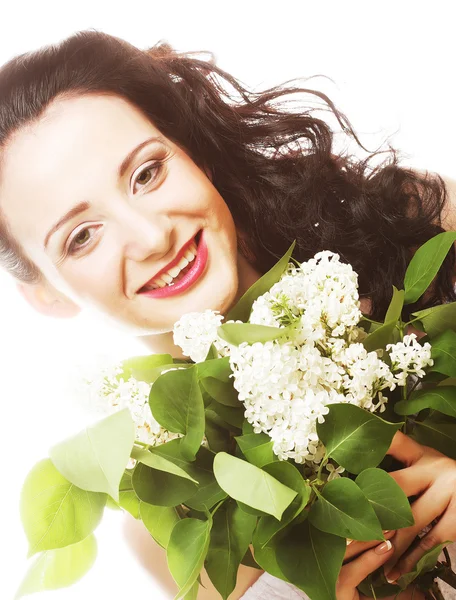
{"x": 324, "y": 460}
{"x": 142, "y": 444}
{"x": 449, "y": 577}
{"x": 447, "y": 557}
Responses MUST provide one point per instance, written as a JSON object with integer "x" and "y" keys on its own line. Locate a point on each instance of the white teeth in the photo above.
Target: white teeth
{"x": 182, "y": 263}
{"x": 160, "y": 282}
{"x": 192, "y": 248}
{"x": 166, "y": 277}
{"x": 174, "y": 271}
{"x": 189, "y": 255}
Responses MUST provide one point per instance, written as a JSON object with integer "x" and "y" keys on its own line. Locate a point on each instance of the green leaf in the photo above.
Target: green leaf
{"x": 437, "y": 433}
{"x": 289, "y": 475}
{"x": 426, "y": 563}
{"x": 222, "y": 392}
{"x": 311, "y": 559}
{"x": 217, "y": 435}
{"x": 342, "y": 509}
{"x": 160, "y": 488}
{"x": 230, "y": 538}
{"x": 176, "y": 403}
{"x": 128, "y": 500}
{"x": 159, "y": 521}
{"x": 441, "y": 398}
{"x": 231, "y": 415}
{"x": 257, "y": 448}
{"x": 241, "y": 311}
{"x": 208, "y": 491}
{"x": 251, "y": 485}
{"x": 355, "y": 438}
{"x": 155, "y": 461}
{"x": 186, "y": 551}
{"x": 55, "y": 569}
{"x": 425, "y": 265}
{"x": 396, "y": 305}
{"x": 378, "y": 339}
{"x": 54, "y": 512}
{"x": 266, "y": 556}
{"x": 444, "y": 353}
{"x": 249, "y": 561}
{"x": 236, "y": 333}
{"x": 218, "y": 368}
{"x": 95, "y": 458}
{"x": 144, "y": 368}
{"x": 438, "y": 319}
{"x": 386, "y": 498}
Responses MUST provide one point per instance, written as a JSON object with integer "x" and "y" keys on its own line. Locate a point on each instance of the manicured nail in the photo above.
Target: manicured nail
{"x": 349, "y": 541}
{"x": 386, "y": 531}
{"x": 392, "y": 577}
{"x": 385, "y": 547}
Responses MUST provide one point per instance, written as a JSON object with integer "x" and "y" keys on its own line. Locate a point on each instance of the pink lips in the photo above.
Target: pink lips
{"x": 188, "y": 279}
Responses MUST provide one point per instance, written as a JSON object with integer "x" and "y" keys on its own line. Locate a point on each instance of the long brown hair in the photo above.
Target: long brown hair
{"x": 276, "y": 168}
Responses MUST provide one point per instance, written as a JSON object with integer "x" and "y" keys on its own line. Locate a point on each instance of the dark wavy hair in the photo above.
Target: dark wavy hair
{"x": 275, "y": 167}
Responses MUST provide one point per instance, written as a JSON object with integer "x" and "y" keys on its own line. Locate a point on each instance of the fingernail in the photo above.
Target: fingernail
{"x": 349, "y": 541}
{"x": 392, "y": 577}
{"x": 386, "y": 531}
{"x": 384, "y": 547}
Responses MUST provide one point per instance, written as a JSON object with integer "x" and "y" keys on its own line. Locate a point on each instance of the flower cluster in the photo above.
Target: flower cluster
{"x": 287, "y": 384}
{"x": 409, "y": 357}
{"x": 112, "y": 392}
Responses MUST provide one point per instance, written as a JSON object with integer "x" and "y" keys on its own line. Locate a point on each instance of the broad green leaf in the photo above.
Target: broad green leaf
{"x": 95, "y": 458}
{"x": 208, "y": 491}
{"x": 266, "y": 556}
{"x": 218, "y": 368}
{"x": 252, "y": 511}
{"x": 128, "y": 500}
{"x": 386, "y": 498}
{"x": 55, "y": 569}
{"x": 155, "y": 461}
{"x": 257, "y": 448}
{"x": 426, "y": 563}
{"x": 437, "y": 433}
{"x": 343, "y": 509}
{"x": 249, "y": 561}
{"x": 186, "y": 552}
{"x": 217, "y": 435}
{"x": 192, "y": 594}
{"x": 231, "y": 534}
{"x": 54, "y": 512}
{"x": 160, "y": 488}
{"x": 444, "y": 353}
{"x": 241, "y": 311}
{"x": 222, "y": 392}
{"x": 378, "y": 339}
{"x": 144, "y": 368}
{"x": 231, "y": 415}
{"x": 425, "y": 265}
{"x": 159, "y": 521}
{"x": 437, "y": 319}
{"x": 236, "y": 333}
{"x": 251, "y": 485}
{"x": 354, "y": 437}
{"x": 396, "y": 305}
{"x": 176, "y": 403}
{"x": 441, "y": 398}
{"x": 247, "y": 428}
{"x": 289, "y": 475}
{"x": 311, "y": 559}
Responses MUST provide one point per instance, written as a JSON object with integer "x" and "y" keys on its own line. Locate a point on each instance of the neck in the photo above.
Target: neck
{"x": 163, "y": 343}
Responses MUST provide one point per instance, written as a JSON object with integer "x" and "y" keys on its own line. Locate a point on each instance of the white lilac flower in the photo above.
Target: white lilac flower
{"x": 110, "y": 392}
{"x": 409, "y": 357}
{"x": 334, "y": 473}
{"x": 195, "y": 332}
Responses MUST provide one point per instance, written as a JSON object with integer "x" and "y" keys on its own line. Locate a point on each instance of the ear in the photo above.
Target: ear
{"x": 47, "y": 300}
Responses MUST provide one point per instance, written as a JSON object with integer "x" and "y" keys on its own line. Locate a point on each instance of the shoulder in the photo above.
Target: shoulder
{"x": 449, "y": 216}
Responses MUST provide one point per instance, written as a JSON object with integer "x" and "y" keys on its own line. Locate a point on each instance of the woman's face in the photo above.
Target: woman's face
{"x": 102, "y": 202}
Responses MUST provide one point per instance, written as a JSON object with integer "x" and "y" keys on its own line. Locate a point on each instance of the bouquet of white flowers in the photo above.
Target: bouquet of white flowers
{"x": 267, "y": 439}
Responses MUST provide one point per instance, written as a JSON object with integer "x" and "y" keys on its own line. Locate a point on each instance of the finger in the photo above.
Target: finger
{"x": 359, "y": 568}
{"x": 355, "y": 548}
{"x": 444, "y": 531}
{"x": 428, "y": 507}
{"x": 413, "y": 480}
{"x": 404, "y": 449}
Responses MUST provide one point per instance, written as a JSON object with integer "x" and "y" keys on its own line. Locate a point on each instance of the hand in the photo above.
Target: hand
{"x": 432, "y": 476}
{"x": 364, "y": 558}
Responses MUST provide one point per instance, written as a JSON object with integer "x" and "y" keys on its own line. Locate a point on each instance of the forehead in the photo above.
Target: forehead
{"x": 75, "y": 147}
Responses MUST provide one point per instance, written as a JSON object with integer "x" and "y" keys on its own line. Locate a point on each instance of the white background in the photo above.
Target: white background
{"x": 393, "y": 69}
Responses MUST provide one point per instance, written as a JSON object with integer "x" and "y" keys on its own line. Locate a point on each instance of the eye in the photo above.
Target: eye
{"x": 80, "y": 240}
{"x": 146, "y": 174}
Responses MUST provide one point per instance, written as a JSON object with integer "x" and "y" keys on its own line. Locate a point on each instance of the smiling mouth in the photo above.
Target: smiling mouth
{"x": 171, "y": 275}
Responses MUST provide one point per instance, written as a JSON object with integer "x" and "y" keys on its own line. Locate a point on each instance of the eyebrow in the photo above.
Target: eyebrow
{"x": 83, "y": 206}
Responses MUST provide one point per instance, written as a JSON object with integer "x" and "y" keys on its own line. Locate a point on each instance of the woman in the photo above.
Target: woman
{"x": 136, "y": 159}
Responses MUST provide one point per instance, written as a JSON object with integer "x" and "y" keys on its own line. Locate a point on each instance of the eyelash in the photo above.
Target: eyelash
{"x": 72, "y": 249}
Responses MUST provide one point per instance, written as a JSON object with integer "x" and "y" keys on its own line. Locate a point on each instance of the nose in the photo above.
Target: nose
{"x": 144, "y": 236}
